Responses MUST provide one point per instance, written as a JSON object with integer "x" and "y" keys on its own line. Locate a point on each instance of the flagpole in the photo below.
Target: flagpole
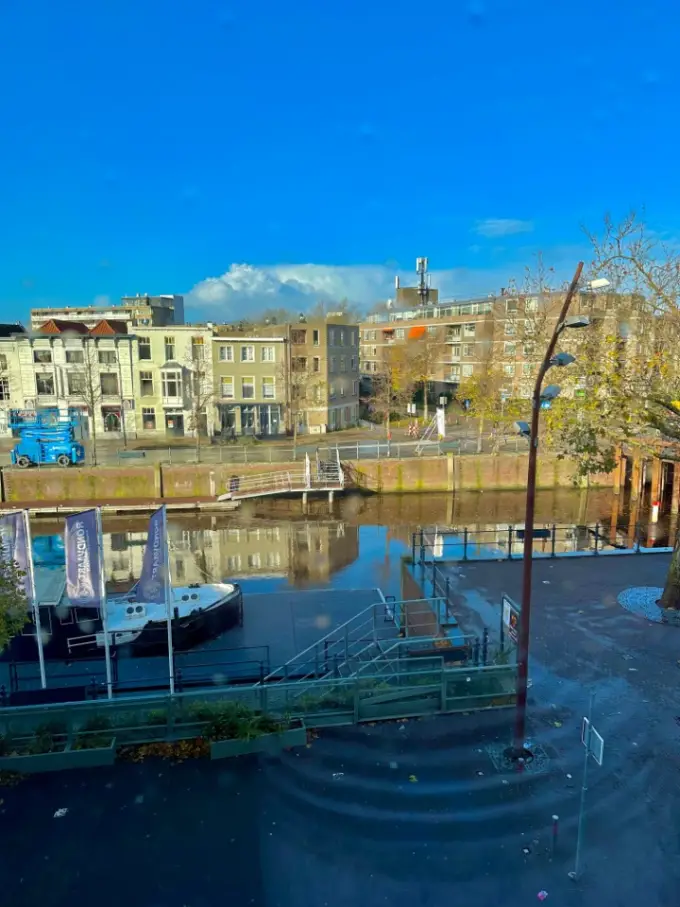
{"x": 168, "y": 600}
{"x": 102, "y": 605}
{"x": 35, "y": 607}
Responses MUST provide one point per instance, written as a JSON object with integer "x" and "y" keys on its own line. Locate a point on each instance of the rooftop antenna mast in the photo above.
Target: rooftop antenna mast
{"x": 423, "y": 281}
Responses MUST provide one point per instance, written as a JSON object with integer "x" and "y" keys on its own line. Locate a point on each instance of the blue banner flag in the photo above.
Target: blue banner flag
{"x": 83, "y": 560}
{"x": 152, "y": 583}
{"x": 15, "y": 542}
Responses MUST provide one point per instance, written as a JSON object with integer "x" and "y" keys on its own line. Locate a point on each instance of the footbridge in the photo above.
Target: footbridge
{"x": 324, "y": 475}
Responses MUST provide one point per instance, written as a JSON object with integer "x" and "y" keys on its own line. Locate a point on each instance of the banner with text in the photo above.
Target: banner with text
{"x": 83, "y": 560}
{"x": 151, "y": 586}
{"x": 15, "y": 542}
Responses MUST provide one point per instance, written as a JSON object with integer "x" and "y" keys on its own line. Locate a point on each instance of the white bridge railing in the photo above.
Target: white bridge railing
{"x": 328, "y": 476}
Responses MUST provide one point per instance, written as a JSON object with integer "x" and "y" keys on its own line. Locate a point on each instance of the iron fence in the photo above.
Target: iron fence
{"x": 506, "y": 542}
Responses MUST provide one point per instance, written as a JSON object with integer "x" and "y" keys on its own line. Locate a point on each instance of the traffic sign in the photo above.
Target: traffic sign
{"x": 592, "y": 740}
{"x": 510, "y": 617}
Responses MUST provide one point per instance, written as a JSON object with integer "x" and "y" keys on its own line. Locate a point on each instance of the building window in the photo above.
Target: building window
{"x": 432, "y": 329}
{"x": 227, "y": 388}
{"x": 299, "y": 337}
{"x": 509, "y": 349}
{"x": 367, "y": 335}
{"x": 355, "y": 388}
{"x": 144, "y": 349}
{"x": 171, "y": 384}
{"x": 469, "y": 329}
{"x": 316, "y": 364}
{"x": 527, "y": 369}
{"x": 42, "y": 357}
{"x": 511, "y": 306}
{"x": 455, "y": 351}
{"x": 467, "y": 371}
{"x": 268, "y": 388}
{"x": 198, "y": 349}
{"x": 342, "y": 337}
{"x": 3, "y": 362}
{"x": 146, "y": 384}
{"x": 455, "y": 371}
{"x": 111, "y": 418}
{"x": 331, "y": 336}
{"x": 509, "y": 328}
{"x": 75, "y": 357}
{"x": 169, "y": 348}
{"x": 355, "y": 338}
{"x": 226, "y": 353}
{"x": 528, "y": 349}
{"x": 4, "y": 388}
{"x": 148, "y": 418}
{"x": 107, "y": 357}
{"x": 108, "y": 382}
{"x": 248, "y": 388}
{"x": 299, "y": 364}
{"x": 354, "y": 363}
{"x": 342, "y": 390}
{"x": 76, "y": 383}
{"x": 468, "y": 349}
{"x": 247, "y": 354}
{"x": 343, "y": 364}
{"x": 454, "y": 332}
{"x": 531, "y": 304}
{"x": 268, "y": 354}
{"x": 331, "y": 391}
{"x": 315, "y": 338}
{"x": 44, "y": 385}
{"x": 509, "y": 370}
{"x": 332, "y": 368}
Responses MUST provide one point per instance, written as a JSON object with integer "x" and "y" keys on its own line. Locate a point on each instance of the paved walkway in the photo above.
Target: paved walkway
{"x": 400, "y": 814}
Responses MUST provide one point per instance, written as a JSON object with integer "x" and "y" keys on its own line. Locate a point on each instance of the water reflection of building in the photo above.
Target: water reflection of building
{"x": 303, "y": 552}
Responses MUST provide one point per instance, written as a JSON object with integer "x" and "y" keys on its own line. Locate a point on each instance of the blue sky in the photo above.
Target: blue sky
{"x": 160, "y": 147}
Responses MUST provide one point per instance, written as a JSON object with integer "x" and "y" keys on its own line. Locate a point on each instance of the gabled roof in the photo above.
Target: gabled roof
{"x": 57, "y": 326}
{"x": 108, "y": 327}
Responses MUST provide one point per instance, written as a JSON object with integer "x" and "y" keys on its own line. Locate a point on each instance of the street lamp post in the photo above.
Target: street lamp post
{"x": 518, "y": 748}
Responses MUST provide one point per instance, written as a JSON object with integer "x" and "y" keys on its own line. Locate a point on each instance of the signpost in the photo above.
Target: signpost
{"x": 593, "y": 744}
{"x": 510, "y": 617}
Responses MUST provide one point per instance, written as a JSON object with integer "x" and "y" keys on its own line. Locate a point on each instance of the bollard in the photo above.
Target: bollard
{"x": 597, "y": 537}
{"x": 553, "y": 540}
{"x": 465, "y": 543}
{"x": 509, "y": 543}
{"x": 413, "y": 548}
{"x": 555, "y": 828}
{"x": 422, "y": 545}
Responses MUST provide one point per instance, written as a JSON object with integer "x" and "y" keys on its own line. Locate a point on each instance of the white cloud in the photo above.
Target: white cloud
{"x": 246, "y": 290}
{"x": 502, "y": 226}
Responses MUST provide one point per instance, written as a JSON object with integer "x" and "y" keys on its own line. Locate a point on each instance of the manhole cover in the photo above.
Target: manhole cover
{"x": 642, "y": 600}
{"x": 539, "y": 765}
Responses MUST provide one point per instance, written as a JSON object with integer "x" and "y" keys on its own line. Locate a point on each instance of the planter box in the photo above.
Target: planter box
{"x": 63, "y": 759}
{"x": 266, "y": 743}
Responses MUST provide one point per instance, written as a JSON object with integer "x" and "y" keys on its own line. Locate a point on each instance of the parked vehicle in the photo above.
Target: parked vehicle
{"x": 45, "y": 438}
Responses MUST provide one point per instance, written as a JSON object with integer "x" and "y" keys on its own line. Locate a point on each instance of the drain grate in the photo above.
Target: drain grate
{"x": 539, "y": 765}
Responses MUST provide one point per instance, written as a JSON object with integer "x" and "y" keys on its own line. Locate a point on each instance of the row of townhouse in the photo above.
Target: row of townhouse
{"x": 130, "y": 381}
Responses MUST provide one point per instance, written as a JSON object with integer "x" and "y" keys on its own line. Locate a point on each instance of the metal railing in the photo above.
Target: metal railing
{"x": 416, "y": 689}
{"x": 507, "y": 542}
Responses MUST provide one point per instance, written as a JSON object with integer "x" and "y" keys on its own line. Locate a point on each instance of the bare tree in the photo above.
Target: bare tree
{"x": 305, "y": 388}
{"x": 84, "y": 383}
{"x": 199, "y": 392}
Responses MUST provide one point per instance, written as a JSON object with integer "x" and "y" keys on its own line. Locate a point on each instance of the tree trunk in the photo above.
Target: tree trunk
{"x": 295, "y": 429}
{"x": 94, "y": 439}
{"x": 671, "y": 593}
{"x": 480, "y": 430}
{"x": 425, "y": 409}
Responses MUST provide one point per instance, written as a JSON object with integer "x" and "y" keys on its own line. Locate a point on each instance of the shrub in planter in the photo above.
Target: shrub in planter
{"x": 47, "y": 738}
{"x": 234, "y": 721}
{"x": 95, "y": 734}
